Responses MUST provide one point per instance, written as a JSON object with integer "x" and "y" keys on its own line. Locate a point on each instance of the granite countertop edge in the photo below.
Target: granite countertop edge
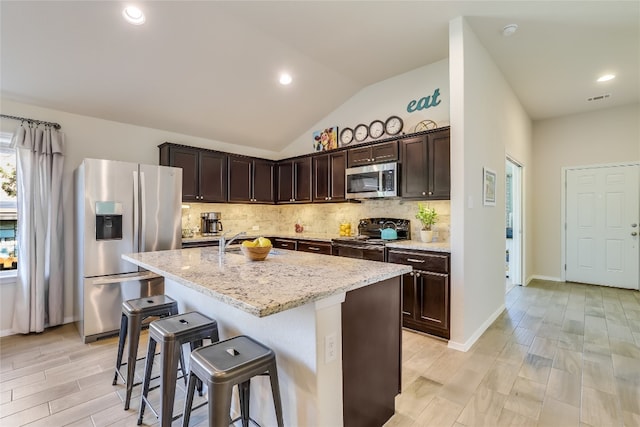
{"x": 277, "y": 301}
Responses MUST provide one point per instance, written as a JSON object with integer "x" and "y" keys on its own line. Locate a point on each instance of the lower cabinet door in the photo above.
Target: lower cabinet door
{"x": 433, "y": 300}
{"x": 408, "y": 296}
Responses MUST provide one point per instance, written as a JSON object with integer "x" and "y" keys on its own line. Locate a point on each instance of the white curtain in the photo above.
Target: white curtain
{"x": 39, "y": 298}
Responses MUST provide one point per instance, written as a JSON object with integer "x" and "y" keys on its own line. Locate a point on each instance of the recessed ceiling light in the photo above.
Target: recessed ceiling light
{"x": 285, "y": 79}
{"x": 133, "y": 15}
{"x": 509, "y": 30}
{"x": 606, "y": 78}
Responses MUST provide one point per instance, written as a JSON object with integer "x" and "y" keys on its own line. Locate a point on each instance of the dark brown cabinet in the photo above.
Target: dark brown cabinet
{"x": 329, "y": 177}
{"x": 371, "y": 154}
{"x": 294, "y": 180}
{"x": 204, "y": 172}
{"x": 425, "y": 291}
{"x": 251, "y": 180}
{"x": 280, "y": 243}
{"x": 314, "y": 247}
{"x": 426, "y": 166}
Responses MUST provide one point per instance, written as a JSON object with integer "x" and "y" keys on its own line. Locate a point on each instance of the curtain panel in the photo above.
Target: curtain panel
{"x": 39, "y": 300}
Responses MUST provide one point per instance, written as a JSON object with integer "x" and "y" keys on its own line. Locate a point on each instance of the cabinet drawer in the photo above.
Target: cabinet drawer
{"x": 314, "y": 247}
{"x": 426, "y": 261}
{"x": 284, "y": 244}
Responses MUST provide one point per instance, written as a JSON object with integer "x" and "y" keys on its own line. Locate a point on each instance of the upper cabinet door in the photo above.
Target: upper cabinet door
{"x": 321, "y": 178}
{"x": 426, "y": 167}
{"x": 440, "y": 165}
{"x": 213, "y": 177}
{"x": 240, "y": 170}
{"x": 204, "y": 172}
{"x": 338, "y": 165}
{"x": 285, "y": 182}
{"x": 187, "y": 159}
{"x": 302, "y": 175}
{"x": 415, "y": 173}
{"x": 263, "y": 181}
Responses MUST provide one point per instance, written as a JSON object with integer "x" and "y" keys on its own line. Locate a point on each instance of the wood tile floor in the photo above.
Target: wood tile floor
{"x": 560, "y": 355}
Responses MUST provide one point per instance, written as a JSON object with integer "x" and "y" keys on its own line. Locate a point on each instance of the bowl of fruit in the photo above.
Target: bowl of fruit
{"x": 257, "y": 249}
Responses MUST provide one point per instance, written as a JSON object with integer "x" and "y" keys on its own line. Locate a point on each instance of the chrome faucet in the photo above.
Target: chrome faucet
{"x": 223, "y": 243}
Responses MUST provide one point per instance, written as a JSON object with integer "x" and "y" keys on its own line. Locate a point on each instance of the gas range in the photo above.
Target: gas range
{"x": 368, "y": 244}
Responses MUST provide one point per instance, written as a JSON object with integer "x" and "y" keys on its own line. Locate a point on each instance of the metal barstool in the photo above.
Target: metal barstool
{"x": 134, "y": 312}
{"x": 172, "y": 332}
{"x": 225, "y": 364}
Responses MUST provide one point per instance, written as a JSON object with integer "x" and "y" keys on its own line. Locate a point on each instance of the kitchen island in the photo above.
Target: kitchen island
{"x": 334, "y": 324}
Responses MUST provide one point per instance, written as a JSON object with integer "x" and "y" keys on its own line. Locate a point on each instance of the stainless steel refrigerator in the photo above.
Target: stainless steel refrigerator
{"x": 120, "y": 208}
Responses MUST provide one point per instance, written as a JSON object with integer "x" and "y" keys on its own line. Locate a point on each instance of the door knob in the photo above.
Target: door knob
{"x": 634, "y": 225}
{"x": 633, "y": 233}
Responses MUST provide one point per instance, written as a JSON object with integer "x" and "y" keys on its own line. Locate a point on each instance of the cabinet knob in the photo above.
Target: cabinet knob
{"x": 424, "y": 193}
{"x": 417, "y": 274}
{"x": 430, "y": 193}
{"x": 411, "y": 274}
{"x": 329, "y": 198}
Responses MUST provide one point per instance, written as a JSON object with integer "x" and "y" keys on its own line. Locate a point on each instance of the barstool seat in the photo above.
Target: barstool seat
{"x": 225, "y": 364}
{"x": 134, "y": 312}
{"x": 172, "y": 332}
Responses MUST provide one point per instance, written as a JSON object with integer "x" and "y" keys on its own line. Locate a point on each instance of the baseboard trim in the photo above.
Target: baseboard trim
{"x": 547, "y": 278}
{"x": 478, "y": 333}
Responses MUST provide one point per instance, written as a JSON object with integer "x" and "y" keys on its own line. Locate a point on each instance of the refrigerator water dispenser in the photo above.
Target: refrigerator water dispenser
{"x": 108, "y": 220}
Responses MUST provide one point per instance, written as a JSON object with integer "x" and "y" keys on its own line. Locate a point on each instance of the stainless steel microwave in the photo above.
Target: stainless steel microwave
{"x": 372, "y": 181}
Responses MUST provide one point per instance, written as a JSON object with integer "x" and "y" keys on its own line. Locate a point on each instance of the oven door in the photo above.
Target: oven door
{"x": 368, "y": 252}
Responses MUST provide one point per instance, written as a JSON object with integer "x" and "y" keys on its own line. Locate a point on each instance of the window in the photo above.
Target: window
{"x": 8, "y": 207}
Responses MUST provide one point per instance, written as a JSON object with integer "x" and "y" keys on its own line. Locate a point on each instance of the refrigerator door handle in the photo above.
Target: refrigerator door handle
{"x": 143, "y": 213}
{"x": 136, "y": 213}
{"x": 123, "y": 278}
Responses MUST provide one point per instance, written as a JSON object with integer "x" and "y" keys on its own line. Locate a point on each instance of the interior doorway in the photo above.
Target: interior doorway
{"x": 513, "y": 212}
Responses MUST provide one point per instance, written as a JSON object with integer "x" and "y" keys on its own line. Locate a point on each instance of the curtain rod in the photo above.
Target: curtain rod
{"x": 24, "y": 119}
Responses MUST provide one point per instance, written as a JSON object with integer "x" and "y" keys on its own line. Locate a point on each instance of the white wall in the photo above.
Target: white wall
{"x": 601, "y": 137}
{"x": 87, "y": 137}
{"x": 487, "y": 121}
{"x": 387, "y": 98}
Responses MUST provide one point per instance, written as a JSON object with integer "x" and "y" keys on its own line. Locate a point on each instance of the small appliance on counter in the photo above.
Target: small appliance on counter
{"x": 373, "y": 234}
{"x": 210, "y": 223}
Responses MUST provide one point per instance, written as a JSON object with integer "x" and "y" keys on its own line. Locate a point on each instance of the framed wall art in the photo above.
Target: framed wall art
{"x": 489, "y": 187}
{"x": 325, "y": 139}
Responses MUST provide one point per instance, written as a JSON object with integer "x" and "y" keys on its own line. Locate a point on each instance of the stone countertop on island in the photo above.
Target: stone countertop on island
{"x": 320, "y": 237}
{"x": 285, "y": 280}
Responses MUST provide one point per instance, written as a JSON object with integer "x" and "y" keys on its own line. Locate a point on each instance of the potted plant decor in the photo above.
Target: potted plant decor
{"x": 427, "y": 216}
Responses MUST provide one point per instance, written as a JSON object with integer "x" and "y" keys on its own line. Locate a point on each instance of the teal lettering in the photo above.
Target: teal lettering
{"x": 424, "y": 102}
{"x": 434, "y": 97}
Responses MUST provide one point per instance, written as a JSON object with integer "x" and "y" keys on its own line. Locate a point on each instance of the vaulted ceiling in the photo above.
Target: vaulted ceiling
{"x": 210, "y": 68}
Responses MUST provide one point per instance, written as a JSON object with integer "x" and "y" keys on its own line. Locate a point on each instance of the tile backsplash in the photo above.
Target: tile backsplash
{"x": 317, "y": 218}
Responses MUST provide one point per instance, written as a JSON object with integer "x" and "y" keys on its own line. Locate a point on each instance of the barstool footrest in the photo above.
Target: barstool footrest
{"x": 233, "y": 421}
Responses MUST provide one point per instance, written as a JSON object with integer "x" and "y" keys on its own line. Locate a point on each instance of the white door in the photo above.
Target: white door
{"x": 602, "y": 216}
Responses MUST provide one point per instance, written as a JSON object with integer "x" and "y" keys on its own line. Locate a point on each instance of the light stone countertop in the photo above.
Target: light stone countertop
{"x": 320, "y": 237}
{"x": 418, "y": 245}
{"x": 285, "y": 280}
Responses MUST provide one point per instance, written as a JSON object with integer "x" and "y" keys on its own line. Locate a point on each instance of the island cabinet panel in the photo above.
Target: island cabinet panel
{"x": 371, "y": 353}
{"x": 314, "y": 247}
{"x": 426, "y": 291}
{"x": 329, "y": 177}
{"x": 426, "y": 166}
{"x": 204, "y": 172}
{"x": 294, "y": 180}
{"x": 371, "y": 154}
{"x": 251, "y": 180}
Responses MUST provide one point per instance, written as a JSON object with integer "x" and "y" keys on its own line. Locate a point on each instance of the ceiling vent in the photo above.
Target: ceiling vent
{"x": 599, "y": 97}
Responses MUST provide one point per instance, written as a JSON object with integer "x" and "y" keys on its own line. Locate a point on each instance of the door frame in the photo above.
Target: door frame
{"x": 517, "y": 191}
{"x": 563, "y": 208}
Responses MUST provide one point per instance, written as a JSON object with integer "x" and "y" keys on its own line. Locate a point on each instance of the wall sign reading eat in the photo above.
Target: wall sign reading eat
{"x": 424, "y": 102}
